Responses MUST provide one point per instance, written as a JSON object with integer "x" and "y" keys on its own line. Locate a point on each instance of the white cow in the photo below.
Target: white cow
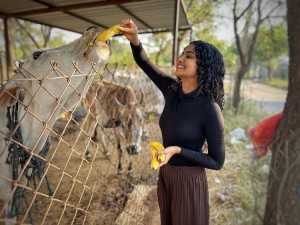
{"x": 49, "y": 83}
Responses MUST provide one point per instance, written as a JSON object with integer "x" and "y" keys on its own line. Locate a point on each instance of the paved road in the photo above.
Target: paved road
{"x": 267, "y": 98}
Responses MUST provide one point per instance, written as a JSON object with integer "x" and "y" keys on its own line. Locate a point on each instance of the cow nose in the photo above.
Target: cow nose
{"x": 133, "y": 149}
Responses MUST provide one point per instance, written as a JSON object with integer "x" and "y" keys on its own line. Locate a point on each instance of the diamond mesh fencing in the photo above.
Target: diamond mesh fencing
{"x": 83, "y": 163}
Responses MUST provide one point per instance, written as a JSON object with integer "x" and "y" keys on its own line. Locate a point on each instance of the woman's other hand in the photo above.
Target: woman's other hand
{"x": 129, "y": 29}
{"x": 169, "y": 152}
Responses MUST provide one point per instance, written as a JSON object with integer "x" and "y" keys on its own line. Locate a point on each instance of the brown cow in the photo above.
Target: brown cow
{"x": 111, "y": 105}
{"x": 46, "y": 85}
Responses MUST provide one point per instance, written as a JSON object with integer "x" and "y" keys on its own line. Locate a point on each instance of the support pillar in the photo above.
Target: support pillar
{"x": 7, "y": 49}
{"x": 175, "y": 31}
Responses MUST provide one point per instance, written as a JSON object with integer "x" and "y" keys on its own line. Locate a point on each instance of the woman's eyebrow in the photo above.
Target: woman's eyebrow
{"x": 190, "y": 52}
{"x": 187, "y": 52}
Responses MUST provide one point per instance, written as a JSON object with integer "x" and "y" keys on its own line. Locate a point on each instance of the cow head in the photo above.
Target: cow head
{"x": 128, "y": 120}
{"x": 52, "y": 82}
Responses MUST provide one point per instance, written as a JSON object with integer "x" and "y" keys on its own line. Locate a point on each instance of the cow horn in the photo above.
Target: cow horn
{"x": 141, "y": 98}
{"x": 118, "y": 102}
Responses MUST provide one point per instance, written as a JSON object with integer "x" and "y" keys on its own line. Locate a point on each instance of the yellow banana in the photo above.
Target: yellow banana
{"x": 106, "y": 34}
{"x": 151, "y": 117}
{"x": 156, "y": 159}
{"x": 161, "y": 157}
{"x": 156, "y": 145}
{"x": 154, "y": 164}
{"x": 63, "y": 116}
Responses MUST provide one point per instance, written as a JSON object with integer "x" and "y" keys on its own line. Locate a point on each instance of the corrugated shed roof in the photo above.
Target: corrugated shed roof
{"x": 76, "y": 15}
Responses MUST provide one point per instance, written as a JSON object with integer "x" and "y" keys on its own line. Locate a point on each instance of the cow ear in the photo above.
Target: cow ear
{"x": 8, "y": 97}
{"x": 130, "y": 96}
{"x": 111, "y": 123}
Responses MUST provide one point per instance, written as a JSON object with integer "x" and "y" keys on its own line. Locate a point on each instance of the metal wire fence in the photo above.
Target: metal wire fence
{"x": 59, "y": 184}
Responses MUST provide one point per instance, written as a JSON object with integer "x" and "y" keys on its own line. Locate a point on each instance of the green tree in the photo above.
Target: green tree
{"x": 159, "y": 46}
{"x": 162, "y": 41}
{"x": 30, "y": 36}
{"x": 121, "y": 52}
{"x": 271, "y": 45}
{"x": 230, "y": 58}
{"x": 203, "y": 17}
{"x": 24, "y": 37}
{"x": 200, "y": 15}
{"x": 247, "y": 21}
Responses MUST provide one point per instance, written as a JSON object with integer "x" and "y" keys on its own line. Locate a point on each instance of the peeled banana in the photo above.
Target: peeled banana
{"x": 106, "y": 34}
{"x": 156, "y": 159}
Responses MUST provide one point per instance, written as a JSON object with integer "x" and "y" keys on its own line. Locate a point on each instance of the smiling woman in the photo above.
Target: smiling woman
{"x": 192, "y": 115}
{"x": 186, "y": 69}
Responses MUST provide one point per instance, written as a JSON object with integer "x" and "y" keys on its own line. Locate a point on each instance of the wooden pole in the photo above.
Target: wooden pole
{"x": 1, "y": 71}
{"x": 7, "y": 49}
{"x": 175, "y": 31}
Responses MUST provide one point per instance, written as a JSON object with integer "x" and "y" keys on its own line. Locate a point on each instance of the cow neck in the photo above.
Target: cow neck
{"x": 18, "y": 156}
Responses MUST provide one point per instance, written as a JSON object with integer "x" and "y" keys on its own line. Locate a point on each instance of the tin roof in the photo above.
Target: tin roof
{"x": 149, "y": 15}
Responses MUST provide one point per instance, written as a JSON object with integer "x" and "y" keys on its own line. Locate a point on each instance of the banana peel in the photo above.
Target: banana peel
{"x": 106, "y": 34}
{"x": 156, "y": 159}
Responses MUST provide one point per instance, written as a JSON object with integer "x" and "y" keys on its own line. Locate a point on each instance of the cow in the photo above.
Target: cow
{"x": 153, "y": 100}
{"x": 46, "y": 85}
{"x": 115, "y": 106}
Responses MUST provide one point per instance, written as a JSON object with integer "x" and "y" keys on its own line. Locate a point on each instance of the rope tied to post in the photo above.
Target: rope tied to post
{"x": 17, "y": 158}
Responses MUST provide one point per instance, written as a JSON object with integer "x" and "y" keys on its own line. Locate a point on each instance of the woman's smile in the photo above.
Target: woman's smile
{"x": 178, "y": 67}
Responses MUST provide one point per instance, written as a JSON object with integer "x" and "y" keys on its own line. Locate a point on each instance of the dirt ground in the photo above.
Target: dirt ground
{"x": 91, "y": 192}
{"x": 85, "y": 192}
{"x": 263, "y": 92}
{"x": 266, "y": 98}
{"x": 259, "y": 91}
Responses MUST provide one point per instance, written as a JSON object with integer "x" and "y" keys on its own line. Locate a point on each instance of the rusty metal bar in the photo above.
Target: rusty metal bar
{"x": 68, "y": 7}
{"x": 73, "y": 14}
{"x": 7, "y": 49}
{"x": 134, "y": 16}
{"x": 1, "y": 70}
{"x": 175, "y": 30}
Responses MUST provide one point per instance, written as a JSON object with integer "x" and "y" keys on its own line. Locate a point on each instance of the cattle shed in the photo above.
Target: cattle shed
{"x": 151, "y": 16}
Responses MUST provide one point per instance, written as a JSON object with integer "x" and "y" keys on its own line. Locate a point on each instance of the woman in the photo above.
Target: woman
{"x": 191, "y": 115}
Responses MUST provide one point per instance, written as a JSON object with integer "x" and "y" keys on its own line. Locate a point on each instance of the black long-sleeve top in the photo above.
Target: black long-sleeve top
{"x": 187, "y": 120}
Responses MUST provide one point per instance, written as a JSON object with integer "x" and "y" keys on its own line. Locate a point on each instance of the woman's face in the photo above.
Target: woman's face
{"x": 186, "y": 66}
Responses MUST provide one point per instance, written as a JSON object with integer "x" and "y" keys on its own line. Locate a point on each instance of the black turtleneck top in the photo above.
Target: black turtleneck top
{"x": 187, "y": 120}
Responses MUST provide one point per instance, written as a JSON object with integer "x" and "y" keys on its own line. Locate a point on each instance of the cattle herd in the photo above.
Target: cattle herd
{"x": 47, "y": 86}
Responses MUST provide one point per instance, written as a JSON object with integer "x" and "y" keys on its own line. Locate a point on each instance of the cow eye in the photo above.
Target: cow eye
{"x": 36, "y": 55}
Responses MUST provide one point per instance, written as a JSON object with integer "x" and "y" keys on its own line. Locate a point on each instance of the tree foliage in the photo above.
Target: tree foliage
{"x": 271, "y": 46}
{"x": 247, "y": 22}
{"x": 27, "y": 37}
{"x": 121, "y": 52}
{"x": 272, "y": 43}
{"x": 159, "y": 47}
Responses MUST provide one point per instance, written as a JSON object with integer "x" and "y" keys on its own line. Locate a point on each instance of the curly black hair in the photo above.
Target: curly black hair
{"x": 211, "y": 71}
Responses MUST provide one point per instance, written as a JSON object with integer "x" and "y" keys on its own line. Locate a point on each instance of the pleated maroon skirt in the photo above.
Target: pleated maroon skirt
{"x": 183, "y": 195}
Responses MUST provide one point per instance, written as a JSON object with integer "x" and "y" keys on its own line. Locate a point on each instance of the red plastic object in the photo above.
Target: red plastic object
{"x": 261, "y": 135}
